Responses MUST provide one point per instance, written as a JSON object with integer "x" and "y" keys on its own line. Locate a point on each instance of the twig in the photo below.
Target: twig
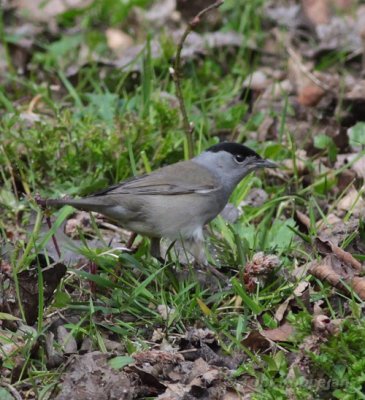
{"x": 176, "y": 74}
{"x": 54, "y": 240}
{"x": 297, "y": 60}
{"x": 33, "y": 103}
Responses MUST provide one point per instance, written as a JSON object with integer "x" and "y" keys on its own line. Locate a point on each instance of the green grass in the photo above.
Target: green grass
{"x": 94, "y": 132}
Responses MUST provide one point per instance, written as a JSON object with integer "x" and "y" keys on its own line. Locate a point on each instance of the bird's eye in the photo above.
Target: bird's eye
{"x": 239, "y": 158}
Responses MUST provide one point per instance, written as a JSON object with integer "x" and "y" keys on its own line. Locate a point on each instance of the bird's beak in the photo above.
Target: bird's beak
{"x": 266, "y": 164}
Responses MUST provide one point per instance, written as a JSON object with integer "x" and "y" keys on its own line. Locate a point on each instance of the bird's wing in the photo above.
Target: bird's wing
{"x": 181, "y": 178}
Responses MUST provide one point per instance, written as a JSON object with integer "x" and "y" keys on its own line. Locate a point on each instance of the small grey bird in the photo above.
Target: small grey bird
{"x": 175, "y": 201}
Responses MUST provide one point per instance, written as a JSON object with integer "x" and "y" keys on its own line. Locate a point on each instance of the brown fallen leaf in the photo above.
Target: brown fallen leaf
{"x": 196, "y": 45}
{"x": 28, "y": 288}
{"x": 310, "y": 95}
{"x": 358, "y": 284}
{"x": 118, "y": 41}
{"x": 262, "y": 340}
{"x": 91, "y": 377}
{"x": 353, "y": 201}
{"x": 303, "y": 219}
{"x": 281, "y": 334}
{"x": 317, "y": 11}
{"x": 358, "y": 166}
{"x": 298, "y": 291}
{"x": 257, "y": 81}
{"x": 357, "y": 91}
{"x": 335, "y": 229}
{"x": 337, "y": 274}
{"x": 326, "y": 246}
{"x": 40, "y": 11}
{"x": 310, "y": 86}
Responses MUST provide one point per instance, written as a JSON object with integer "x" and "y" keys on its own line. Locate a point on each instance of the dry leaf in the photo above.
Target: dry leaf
{"x": 326, "y": 246}
{"x": 261, "y": 340}
{"x": 298, "y": 291}
{"x": 357, "y": 91}
{"x": 281, "y": 334}
{"x": 43, "y": 11}
{"x": 118, "y": 41}
{"x": 352, "y": 201}
{"x": 91, "y": 377}
{"x": 258, "y": 81}
{"x": 358, "y": 166}
{"x": 317, "y": 11}
{"x": 310, "y": 95}
{"x": 331, "y": 269}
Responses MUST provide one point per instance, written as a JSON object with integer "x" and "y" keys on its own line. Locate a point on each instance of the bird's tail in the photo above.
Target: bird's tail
{"x": 86, "y": 204}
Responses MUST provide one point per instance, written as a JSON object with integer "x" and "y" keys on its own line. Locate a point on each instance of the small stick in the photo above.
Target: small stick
{"x": 176, "y": 74}
{"x": 297, "y": 60}
{"x": 54, "y": 240}
{"x": 93, "y": 268}
{"x": 295, "y": 57}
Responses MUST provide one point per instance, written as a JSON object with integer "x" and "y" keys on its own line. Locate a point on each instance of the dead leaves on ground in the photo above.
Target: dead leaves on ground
{"x": 163, "y": 375}
{"x": 37, "y": 22}
{"x": 170, "y": 374}
{"x": 263, "y": 340}
{"x": 29, "y": 289}
{"x": 339, "y": 267}
{"x": 338, "y": 274}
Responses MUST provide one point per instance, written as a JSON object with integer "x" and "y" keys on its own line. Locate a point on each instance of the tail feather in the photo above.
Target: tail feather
{"x": 86, "y": 204}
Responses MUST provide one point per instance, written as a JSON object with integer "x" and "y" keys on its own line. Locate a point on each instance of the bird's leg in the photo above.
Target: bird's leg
{"x": 196, "y": 248}
{"x": 131, "y": 240}
{"x": 155, "y": 250}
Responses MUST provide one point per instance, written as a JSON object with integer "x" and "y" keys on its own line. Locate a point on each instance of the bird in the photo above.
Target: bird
{"x": 177, "y": 200}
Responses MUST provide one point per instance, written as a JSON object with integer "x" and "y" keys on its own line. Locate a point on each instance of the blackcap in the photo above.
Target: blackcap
{"x": 175, "y": 201}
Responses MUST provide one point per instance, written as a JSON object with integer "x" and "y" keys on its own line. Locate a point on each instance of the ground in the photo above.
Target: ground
{"x": 87, "y": 99}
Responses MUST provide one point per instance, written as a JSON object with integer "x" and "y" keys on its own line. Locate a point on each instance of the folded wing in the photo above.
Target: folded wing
{"x": 181, "y": 178}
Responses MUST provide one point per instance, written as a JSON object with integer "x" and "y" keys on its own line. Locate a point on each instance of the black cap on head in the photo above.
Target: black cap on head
{"x": 235, "y": 149}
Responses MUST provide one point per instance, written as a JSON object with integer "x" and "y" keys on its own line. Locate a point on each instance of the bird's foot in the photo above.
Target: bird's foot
{"x": 215, "y": 272}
